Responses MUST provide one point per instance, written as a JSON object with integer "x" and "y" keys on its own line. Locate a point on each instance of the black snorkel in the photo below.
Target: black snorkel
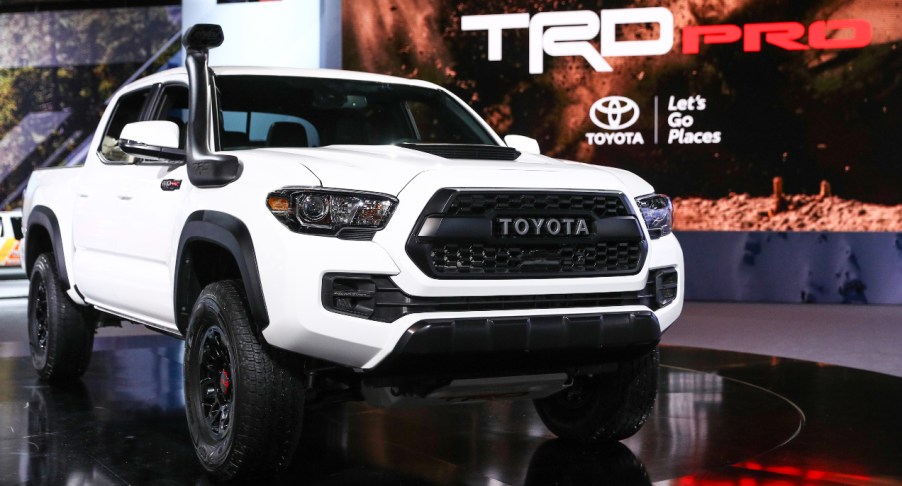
{"x": 205, "y": 169}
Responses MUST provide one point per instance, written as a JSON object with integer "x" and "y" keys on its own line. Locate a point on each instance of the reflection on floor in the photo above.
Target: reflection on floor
{"x": 721, "y": 418}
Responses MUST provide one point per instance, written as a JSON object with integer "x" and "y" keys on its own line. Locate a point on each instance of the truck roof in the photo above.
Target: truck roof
{"x": 181, "y": 74}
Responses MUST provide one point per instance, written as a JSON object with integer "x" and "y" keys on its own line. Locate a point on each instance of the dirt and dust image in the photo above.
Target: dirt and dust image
{"x": 741, "y": 212}
{"x": 804, "y": 115}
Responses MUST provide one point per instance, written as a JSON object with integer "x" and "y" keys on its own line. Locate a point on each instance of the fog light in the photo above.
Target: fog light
{"x": 666, "y": 284}
{"x": 349, "y": 294}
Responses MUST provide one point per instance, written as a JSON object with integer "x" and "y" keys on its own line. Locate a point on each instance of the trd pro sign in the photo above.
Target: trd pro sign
{"x": 569, "y": 34}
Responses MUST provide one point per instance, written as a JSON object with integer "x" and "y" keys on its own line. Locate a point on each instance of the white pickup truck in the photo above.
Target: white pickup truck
{"x": 319, "y": 236}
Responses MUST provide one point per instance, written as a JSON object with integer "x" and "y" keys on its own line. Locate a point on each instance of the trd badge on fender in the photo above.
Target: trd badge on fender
{"x": 542, "y": 226}
{"x": 171, "y": 184}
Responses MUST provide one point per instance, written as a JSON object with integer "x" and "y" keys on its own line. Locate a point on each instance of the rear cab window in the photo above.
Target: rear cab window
{"x": 253, "y": 129}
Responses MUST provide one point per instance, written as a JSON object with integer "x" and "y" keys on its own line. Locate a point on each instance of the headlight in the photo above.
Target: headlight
{"x": 329, "y": 212}
{"x": 658, "y": 214}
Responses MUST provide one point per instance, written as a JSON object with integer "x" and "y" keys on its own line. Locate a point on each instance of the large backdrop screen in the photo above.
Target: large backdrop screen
{"x": 754, "y": 115}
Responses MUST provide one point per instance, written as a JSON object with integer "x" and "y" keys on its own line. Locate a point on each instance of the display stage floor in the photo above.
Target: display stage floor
{"x": 721, "y": 418}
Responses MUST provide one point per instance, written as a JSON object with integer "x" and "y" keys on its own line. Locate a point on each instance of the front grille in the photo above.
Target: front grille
{"x": 573, "y": 258}
{"x": 464, "y": 239}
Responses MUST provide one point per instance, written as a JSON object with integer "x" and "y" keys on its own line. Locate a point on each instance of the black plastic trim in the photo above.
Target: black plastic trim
{"x": 364, "y": 294}
{"x": 232, "y": 235}
{"x": 44, "y": 217}
{"x": 532, "y": 333}
{"x": 465, "y": 151}
{"x": 665, "y": 279}
{"x": 519, "y": 345}
{"x": 356, "y": 234}
{"x": 139, "y": 149}
{"x": 384, "y": 301}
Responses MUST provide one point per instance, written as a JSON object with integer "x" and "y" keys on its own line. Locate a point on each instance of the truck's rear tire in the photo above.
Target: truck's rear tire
{"x": 58, "y": 336}
{"x": 605, "y": 406}
{"x": 244, "y": 403}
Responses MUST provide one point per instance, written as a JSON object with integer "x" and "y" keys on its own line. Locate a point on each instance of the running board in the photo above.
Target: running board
{"x": 153, "y": 327}
{"x": 164, "y": 330}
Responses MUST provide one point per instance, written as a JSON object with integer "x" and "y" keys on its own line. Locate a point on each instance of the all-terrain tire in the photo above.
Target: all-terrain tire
{"x": 259, "y": 397}
{"x": 605, "y": 406}
{"x": 58, "y": 336}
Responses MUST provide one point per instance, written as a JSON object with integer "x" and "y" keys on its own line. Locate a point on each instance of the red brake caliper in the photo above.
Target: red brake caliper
{"x": 224, "y": 382}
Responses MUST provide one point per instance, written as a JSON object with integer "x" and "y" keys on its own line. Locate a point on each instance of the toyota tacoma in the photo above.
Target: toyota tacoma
{"x": 320, "y": 236}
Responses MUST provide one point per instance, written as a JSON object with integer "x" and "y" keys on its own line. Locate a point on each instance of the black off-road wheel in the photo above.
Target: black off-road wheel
{"x": 58, "y": 336}
{"x": 606, "y": 406}
{"x": 243, "y": 400}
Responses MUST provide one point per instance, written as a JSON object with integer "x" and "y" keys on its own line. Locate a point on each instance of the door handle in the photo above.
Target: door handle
{"x": 124, "y": 198}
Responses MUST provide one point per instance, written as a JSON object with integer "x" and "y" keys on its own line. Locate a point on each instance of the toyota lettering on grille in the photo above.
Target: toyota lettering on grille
{"x": 541, "y": 226}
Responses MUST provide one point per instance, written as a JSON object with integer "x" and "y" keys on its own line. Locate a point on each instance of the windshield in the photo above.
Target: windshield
{"x": 283, "y": 111}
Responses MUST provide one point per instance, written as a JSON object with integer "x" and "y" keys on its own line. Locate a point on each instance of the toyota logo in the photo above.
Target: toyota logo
{"x": 619, "y": 112}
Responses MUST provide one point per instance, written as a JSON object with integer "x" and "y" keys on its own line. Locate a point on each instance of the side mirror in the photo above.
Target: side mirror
{"x": 157, "y": 141}
{"x": 523, "y": 144}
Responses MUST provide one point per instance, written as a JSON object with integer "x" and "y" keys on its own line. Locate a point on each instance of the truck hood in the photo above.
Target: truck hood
{"x": 388, "y": 169}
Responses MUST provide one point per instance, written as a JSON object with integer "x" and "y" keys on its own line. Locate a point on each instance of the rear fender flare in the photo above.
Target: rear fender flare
{"x": 42, "y": 216}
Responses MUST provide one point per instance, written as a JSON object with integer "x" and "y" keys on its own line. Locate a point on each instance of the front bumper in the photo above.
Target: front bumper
{"x": 300, "y": 323}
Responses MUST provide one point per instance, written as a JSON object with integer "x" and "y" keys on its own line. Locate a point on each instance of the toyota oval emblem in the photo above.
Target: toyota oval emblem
{"x": 619, "y": 112}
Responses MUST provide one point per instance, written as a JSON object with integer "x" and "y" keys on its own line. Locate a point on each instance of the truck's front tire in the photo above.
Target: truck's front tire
{"x": 244, "y": 405}
{"x": 605, "y": 406}
{"x": 58, "y": 336}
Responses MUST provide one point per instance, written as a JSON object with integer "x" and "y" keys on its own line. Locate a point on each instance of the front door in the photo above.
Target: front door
{"x": 129, "y": 224}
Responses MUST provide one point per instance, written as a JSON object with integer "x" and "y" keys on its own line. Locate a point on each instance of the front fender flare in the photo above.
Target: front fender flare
{"x": 232, "y": 235}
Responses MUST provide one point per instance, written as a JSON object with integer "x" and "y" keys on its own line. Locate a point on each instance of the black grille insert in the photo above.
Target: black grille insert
{"x": 479, "y": 203}
{"x": 603, "y": 257}
{"x": 464, "y": 237}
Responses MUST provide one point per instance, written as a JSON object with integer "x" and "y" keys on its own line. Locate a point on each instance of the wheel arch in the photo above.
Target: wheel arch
{"x": 44, "y": 236}
{"x": 216, "y": 246}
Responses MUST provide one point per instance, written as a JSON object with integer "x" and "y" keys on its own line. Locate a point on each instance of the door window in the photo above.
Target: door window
{"x": 128, "y": 110}
{"x": 174, "y": 108}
